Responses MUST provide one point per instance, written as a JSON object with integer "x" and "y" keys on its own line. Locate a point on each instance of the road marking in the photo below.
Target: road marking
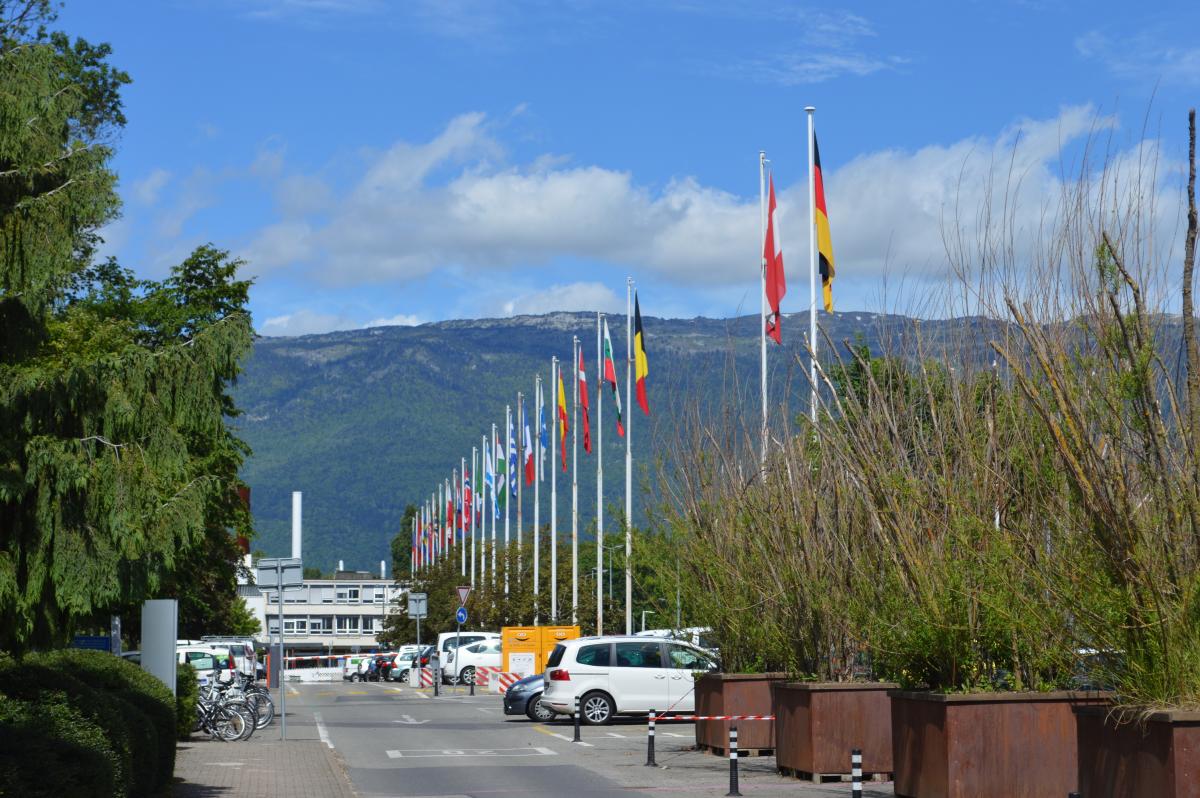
{"x": 614, "y": 734}
{"x": 543, "y": 730}
{"x": 293, "y": 691}
{"x": 408, "y": 719}
{"x": 395, "y": 689}
{"x": 483, "y": 709}
{"x": 673, "y": 734}
{"x": 422, "y": 753}
{"x": 423, "y": 695}
{"x": 322, "y": 732}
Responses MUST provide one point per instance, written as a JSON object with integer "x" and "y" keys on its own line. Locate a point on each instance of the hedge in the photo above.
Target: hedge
{"x": 187, "y": 695}
{"x": 89, "y": 701}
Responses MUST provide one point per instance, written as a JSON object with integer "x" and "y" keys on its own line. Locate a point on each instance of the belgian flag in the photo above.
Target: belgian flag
{"x": 824, "y": 242}
{"x": 640, "y": 367}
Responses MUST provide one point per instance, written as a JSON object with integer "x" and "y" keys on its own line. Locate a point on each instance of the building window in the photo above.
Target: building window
{"x": 326, "y": 595}
{"x": 368, "y": 625}
{"x": 347, "y": 624}
{"x": 295, "y": 626}
{"x": 298, "y": 595}
{"x": 347, "y": 595}
{"x": 272, "y": 626}
{"x": 320, "y": 625}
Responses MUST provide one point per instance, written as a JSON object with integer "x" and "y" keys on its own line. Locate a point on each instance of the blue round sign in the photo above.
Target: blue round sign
{"x": 461, "y": 615}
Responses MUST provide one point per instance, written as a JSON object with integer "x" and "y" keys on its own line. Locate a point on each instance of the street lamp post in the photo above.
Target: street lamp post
{"x": 652, "y": 612}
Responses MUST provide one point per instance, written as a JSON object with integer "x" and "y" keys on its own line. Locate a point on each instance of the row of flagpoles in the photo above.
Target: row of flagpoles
{"x": 457, "y": 513}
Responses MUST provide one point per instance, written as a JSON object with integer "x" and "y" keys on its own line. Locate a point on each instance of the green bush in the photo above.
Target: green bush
{"x": 148, "y": 706}
{"x": 50, "y": 748}
{"x": 48, "y": 706}
{"x": 187, "y": 695}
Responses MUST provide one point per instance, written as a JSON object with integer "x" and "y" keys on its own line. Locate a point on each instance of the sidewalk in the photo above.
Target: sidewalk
{"x": 301, "y": 767}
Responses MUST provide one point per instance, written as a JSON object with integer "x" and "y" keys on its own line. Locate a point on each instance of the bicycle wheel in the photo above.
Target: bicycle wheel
{"x": 266, "y": 710}
{"x": 248, "y": 713}
{"x": 228, "y": 724}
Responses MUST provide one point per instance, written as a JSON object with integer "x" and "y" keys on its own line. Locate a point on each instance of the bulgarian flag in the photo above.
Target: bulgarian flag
{"x": 530, "y": 470}
{"x": 583, "y": 397}
{"x": 562, "y": 418}
{"x": 610, "y": 376}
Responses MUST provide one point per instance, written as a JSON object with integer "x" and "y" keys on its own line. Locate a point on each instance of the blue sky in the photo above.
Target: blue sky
{"x": 379, "y": 162}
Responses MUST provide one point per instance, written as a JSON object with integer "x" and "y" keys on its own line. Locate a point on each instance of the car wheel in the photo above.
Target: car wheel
{"x": 597, "y": 709}
{"x": 353, "y": 677}
{"x": 537, "y": 711}
{"x": 467, "y": 676}
{"x": 403, "y": 676}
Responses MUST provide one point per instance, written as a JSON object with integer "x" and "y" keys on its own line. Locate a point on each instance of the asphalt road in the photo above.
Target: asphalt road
{"x": 397, "y": 741}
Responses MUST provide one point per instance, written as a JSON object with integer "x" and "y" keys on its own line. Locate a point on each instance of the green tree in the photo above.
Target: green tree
{"x": 402, "y": 544}
{"x": 117, "y": 470}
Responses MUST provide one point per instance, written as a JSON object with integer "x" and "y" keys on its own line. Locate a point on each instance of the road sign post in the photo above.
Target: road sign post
{"x": 418, "y": 608}
{"x": 286, "y": 572}
{"x": 460, "y": 617}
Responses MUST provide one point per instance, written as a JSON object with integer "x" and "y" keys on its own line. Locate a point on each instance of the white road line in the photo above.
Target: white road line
{"x": 425, "y": 753}
{"x": 673, "y": 734}
{"x": 614, "y": 734}
{"x": 322, "y": 732}
{"x": 482, "y": 709}
{"x": 569, "y": 740}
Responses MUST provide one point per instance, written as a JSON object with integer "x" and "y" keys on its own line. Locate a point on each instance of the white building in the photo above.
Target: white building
{"x": 327, "y": 616}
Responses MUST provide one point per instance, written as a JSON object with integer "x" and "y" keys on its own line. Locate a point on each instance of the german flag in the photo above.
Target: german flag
{"x": 640, "y": 367}
{"x": 824, "y": 242}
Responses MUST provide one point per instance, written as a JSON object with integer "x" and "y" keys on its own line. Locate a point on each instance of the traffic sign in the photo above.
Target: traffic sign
{"x": 463, "y": 592}
{"x": 461, "y": 615}
{"x": 418, "y": 605}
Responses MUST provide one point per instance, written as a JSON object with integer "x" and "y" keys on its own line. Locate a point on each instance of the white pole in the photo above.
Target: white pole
{"x": 537, "y": 502}
{"x": 297, "y": 523}
{"x": 471, "y": 522}
{"x": 520, "y": 474}
{"x": 494, "y": 505}
{"x": 629, "y": 455}
{"x": 553, "y": 491}
{"x": 762, "y": 275}
{"x": 507, "y": 493}
{"x": 812, "y": 263}
{"x": 461, "y": 538}
{"x": 440, "y": 511}
{"x": 599, "y": 480}
{"x": 412, "y": 561}
{"x": 575, "y": 481}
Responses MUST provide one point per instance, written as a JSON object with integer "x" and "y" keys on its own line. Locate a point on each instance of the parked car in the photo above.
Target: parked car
{"x": 525, "y": 698}
{"x": 403, "y": 661}
{"x": 351, "y": 668}
{"x": 699, "y": 636}
{"x": 463, "y": 660}
{"x": 618, "y": 675}
{"x": 447, "y": 641}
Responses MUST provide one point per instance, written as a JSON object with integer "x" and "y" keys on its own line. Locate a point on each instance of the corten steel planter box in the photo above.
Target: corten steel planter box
{"x": 818, "y": 724}
{"x": 735, "y": 694}
{"x": 986, "y": 745}
{"x": 1158, "y": 758}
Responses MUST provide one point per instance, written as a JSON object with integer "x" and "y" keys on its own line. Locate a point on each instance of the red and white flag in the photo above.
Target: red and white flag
{"x": 776, "y": 285}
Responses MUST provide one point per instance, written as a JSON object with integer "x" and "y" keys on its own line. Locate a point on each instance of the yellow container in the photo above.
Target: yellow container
{"x": 524, "y": 649}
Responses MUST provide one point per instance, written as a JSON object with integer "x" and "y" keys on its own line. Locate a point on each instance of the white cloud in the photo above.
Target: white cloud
{"x": 572, "y": 297}
{"x": 400, "y": 320}
{"x": 452, "y": 204}
{"x": 198, "y": 192}
{"x": 147, "y": 190}
{"x": 1144, "y": 55}
{"x": 306, "y": 322}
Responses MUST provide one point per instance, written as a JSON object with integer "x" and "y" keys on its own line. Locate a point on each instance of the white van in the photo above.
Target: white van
{"x": 619, "y": 674}
{"x": 448, "y": 641}
{"x": 699, "y": 636}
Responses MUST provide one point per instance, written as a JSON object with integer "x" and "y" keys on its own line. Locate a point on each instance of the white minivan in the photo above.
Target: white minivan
{"x": 618, "y": 675}
{"x": 448, "y": 641}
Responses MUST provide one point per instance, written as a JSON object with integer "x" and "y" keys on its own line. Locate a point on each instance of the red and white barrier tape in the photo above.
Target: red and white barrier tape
{"x": 713, "y": 717}
{"x": 481, "y": 675}
{"x": 319, "y": 656}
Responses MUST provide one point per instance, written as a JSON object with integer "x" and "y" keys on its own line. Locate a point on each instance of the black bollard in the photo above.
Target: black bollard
{"x": 856, "y": 773}
{"x": 576, "y": 720}
{"x": 650, "y": 743}
{"x": 437, "y": 681}
{"x": 733, "y": 757}
{"x": 472, "y": 684}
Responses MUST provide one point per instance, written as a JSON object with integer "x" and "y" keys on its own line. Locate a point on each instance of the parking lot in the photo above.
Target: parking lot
{"x": 397, "y": 741}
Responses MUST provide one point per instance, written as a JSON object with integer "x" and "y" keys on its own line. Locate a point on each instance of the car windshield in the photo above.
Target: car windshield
{"x": 556, "y": 656}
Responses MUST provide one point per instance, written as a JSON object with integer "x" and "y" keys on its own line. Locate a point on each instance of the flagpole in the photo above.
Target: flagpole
{"x": 519, "y": 473}
{"x": 507, "y": 493}
{"x": 470, "y": 519}
{"x": 495, "y": 506}
{"x": 812, "y": 264}
{"x": 599, "y": 482}
{"x": 762, "y": 275}
{"x": 537, "y": 504}
{"x": 575, "y": 481}
{"x": 554, "y": 493}
{"x": 461, "y": 538}
{"x": 628, "y": 455}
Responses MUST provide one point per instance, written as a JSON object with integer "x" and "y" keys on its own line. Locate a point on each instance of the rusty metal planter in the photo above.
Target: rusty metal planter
{"x": 735, "y": 694}
{"x": 1160, "y": 757}
{"x": 986, "y": 745}
{"x": 818, "y": 724}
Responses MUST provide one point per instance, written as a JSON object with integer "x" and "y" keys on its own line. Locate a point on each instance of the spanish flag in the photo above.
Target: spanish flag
{"x": 824, "y": 242}
{"x": 640, "y": 367}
